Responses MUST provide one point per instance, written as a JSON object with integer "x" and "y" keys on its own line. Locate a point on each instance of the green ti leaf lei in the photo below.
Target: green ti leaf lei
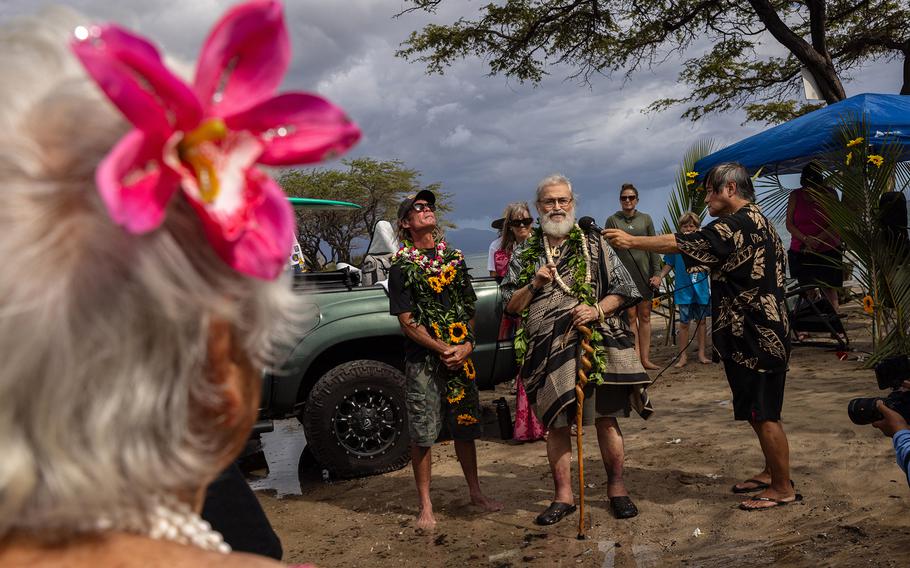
{"x": 428, "y": 278}
{"x": 580, "y": 289}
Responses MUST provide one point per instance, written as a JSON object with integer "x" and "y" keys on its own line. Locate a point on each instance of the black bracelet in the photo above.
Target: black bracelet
{"x": 534, "y": 289}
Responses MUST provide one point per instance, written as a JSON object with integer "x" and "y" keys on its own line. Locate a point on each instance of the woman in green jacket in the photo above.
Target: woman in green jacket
{"x": 643, "y": 266}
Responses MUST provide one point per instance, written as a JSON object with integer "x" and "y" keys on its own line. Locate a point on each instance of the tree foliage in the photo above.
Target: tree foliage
{"x": 731, "y": 67}
{"x": 330, "y": 236}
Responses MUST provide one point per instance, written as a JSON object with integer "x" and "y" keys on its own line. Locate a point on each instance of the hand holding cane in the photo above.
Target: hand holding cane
{"x": 584, "y": 365}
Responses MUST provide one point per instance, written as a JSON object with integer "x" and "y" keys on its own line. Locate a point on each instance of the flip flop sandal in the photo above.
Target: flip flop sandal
{"x": 777, "y": 503}
{"x": 623, "y": 507}
{"x": 759, "y": 485}
{"x": 554, "y": 513}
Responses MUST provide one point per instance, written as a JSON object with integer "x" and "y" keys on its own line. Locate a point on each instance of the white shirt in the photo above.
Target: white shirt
{"x": 494, "y": 246}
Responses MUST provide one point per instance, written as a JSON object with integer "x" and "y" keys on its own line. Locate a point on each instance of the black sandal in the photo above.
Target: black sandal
{"x": 623, "y": 507}
{"x": 554, "y": 513}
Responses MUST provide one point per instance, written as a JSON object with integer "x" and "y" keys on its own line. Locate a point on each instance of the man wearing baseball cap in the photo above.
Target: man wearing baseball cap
{"x": 430, "y": 291}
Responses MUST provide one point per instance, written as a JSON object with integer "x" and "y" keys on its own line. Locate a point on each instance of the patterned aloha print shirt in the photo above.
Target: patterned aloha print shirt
{"x": 747, "y": 263}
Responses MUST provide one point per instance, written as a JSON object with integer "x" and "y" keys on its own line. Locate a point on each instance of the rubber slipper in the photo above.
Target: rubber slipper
{"x": 623, "y": 507}
{"x": 554, "y": 513}
{"x": 759, "y": 485}
{"x": 777, "y": 503}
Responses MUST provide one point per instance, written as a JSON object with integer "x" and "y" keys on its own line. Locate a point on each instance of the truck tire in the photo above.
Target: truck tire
{"x": 355, "y": 419}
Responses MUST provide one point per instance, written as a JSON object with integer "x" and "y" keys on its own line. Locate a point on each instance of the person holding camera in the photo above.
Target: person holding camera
{"x": 894, "y": 425}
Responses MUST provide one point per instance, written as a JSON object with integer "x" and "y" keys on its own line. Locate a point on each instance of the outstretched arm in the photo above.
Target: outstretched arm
{"x": 661, "y": 243}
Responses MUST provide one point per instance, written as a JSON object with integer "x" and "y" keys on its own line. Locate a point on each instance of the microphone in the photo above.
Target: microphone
{"x": 589, "y": 225}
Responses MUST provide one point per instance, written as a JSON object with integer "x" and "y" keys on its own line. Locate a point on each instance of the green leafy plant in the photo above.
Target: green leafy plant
{"x": 861, "y": 174}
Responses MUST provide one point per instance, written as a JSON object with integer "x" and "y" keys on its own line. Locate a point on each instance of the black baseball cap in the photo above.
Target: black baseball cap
{"x": 405, "y": 207}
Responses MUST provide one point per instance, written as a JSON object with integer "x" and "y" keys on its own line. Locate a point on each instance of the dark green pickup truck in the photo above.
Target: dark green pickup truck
{"x": 344, "y": 378}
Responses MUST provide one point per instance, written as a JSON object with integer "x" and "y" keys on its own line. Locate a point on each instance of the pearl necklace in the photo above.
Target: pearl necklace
{"x": 555, "y": 253}
{"x": 170, "y": 520}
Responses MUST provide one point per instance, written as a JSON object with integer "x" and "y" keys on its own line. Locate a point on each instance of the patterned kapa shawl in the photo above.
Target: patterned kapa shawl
{"x": 550, "y": 365}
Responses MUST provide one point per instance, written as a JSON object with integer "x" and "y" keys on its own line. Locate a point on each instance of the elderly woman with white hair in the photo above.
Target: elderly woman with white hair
{"x": 144, "y": 282}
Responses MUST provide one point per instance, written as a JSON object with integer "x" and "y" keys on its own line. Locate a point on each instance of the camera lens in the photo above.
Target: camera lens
{"x": 862, "y": 411}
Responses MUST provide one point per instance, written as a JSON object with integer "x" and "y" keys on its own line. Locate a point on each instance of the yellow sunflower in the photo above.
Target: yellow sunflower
{"x": 466, "y": 420}
{"x": 876, "y": 160}
{"x": 435, "y": 283}
{"x": 855, "y": 142}
{"x": 655, "y": 303}
{"x": 868, "y": 304}
{"x": 453, "y": 398}
{"x": 458, "y": 332}
{"x": 436, "y": 330}
{"x": 469, "y": 370}
{"x": 448, "y": 274}
{"x": 849, "y": 158}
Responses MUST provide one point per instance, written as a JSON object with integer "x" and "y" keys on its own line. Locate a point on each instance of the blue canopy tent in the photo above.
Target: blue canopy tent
{"x": 786, "y": 148}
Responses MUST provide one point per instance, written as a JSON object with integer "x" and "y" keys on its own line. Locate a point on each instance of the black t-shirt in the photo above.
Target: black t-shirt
{"x": 746, "y": 260}
{"x": 401, "y": 301}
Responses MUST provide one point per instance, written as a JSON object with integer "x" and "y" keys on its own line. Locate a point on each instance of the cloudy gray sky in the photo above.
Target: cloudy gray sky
{"x": 488, "y": 140}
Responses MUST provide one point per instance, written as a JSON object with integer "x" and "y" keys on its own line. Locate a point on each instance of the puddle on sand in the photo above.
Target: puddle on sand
{"x": 282, "y": 448}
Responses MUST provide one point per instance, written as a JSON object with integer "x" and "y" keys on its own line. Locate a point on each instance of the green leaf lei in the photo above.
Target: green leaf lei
{"x": 427, "y": 279}
{"x": 580, "y": 289}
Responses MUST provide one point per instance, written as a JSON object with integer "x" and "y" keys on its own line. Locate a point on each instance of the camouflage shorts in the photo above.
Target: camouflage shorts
{"x": 428, "y": 408}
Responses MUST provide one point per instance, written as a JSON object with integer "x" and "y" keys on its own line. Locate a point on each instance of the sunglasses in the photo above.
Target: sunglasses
{"x": 628, "y": 197}
{"x": 421, "y": 207}
{"x": 521, "y": 222}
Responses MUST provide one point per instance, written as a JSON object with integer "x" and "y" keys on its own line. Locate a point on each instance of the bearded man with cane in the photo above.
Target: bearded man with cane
{"x": 561, "y": 280}
{"x": 746, "y": 259}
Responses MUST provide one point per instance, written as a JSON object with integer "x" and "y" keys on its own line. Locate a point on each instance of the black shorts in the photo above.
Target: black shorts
{"x": 756, "y": 396}
{"x": 825, "y": 268}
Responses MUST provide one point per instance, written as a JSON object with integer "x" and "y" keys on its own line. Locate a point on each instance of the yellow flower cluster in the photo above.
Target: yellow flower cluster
{"x": 456, "y": 396}
{"x": 655, "y": 303}
{"x": 436, "y": 330}
{"x": 868, "y": 304}
{"x": 690, "y": 177}
{"x": 435, "y": 283}
{"x": 849, "y": 158}
{"x": 855, "y": 142}
{"x": 446, "y": 277}
{"x": 466, "y": 420}
{"x": 876, "y": 160}
{"x": 458, "y": 332}
{"x": 469, "y": 370}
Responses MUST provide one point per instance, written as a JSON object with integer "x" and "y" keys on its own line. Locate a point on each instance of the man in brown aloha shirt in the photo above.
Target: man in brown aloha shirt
{"x": 746, "y": 260}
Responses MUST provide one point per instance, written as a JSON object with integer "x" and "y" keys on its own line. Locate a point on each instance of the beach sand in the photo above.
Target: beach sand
{"x": 680, "y": 465}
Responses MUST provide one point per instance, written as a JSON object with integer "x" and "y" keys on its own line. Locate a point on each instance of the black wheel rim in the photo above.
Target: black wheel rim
{"x": 367, "y": 423}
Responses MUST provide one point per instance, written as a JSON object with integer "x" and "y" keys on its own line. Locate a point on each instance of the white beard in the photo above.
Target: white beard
{"x": 557, "y": 229}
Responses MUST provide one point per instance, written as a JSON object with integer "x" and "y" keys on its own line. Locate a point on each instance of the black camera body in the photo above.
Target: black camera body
{"x": 890, "y": 373}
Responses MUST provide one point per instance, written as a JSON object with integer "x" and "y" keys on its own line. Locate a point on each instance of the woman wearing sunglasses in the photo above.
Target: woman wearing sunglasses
{"x": 643, "y": 266}
{"x": 514, "y": 228}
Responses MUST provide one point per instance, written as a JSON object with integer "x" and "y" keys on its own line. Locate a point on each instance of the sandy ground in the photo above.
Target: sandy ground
{"x": 680, "y": 465}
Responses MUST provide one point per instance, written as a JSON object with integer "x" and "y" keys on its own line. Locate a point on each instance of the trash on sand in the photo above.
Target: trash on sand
{"x": 712, "y": 475}
{"x": 674, "y": 441}
{"x": 696, "y": 532}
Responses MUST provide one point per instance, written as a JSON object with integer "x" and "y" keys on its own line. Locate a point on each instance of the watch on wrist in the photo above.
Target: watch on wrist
{"x": 533, "y": 289}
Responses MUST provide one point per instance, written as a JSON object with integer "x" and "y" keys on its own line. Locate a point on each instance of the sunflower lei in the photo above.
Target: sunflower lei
{"x": 427, "y": 278}
{"x": 576, "y": 245}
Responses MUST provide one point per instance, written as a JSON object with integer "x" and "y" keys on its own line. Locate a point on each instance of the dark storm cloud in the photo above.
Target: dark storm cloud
{"x": 488, "y": 140}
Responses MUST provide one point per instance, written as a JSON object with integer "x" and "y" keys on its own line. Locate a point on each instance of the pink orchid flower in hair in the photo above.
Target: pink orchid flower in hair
{"x": 205, "y": 139}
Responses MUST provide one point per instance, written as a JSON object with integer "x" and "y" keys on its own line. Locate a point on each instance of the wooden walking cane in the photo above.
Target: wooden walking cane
{"x": 584, "y": 365}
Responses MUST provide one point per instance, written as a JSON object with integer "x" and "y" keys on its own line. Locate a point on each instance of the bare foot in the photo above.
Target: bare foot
{"x": 486, "y": 503}
{"x": 649, "y": 365}
{"x": 681, "y": 363}
{"x": 425, "y": 520}
{"x": 704, "y": 361}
